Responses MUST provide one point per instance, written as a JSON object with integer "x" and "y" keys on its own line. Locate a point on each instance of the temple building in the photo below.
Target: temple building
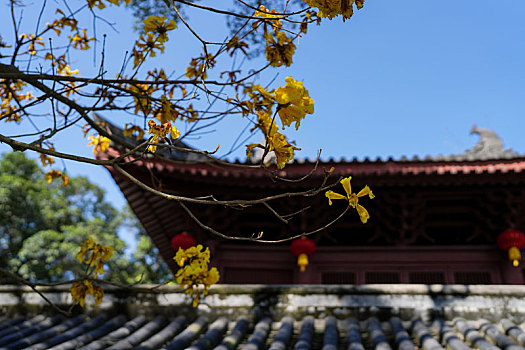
{"x": 434, "y": 220}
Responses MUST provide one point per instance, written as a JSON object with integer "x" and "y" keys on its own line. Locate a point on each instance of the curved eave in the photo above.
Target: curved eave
{"x": 430, "y": 172}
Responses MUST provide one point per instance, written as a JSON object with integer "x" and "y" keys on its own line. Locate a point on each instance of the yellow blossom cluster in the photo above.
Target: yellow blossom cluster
{"x": 352, "y": 198}
{"x": 142, "y": 97}
{"x": 80, "y": 40}
{"x": 276, "y": 142}
{"x": 160, "y": 132}
{"x": 32, "y": 40}
{"x": 279, "y": 46}
{"x": 100, "y": 3}
{"x": 155, "y": 34}
{"x": 235, "y": 44}
{"x": 130, "y": 129}
{"x": 148, "y": 43}
{"x": 58, "y": 24}
{"x": 55, "y": 174}
{"x": 48, "y": 160}
{"x": 279, "y": 49}
{"x": 199, "y": 66}
{"x": 94, "y": 255}
{"x": 334, "y": 8}
{"x": 293, "y": 103}
{"x": 194, "y": 272}
{"x": 260, "y": 99}
{"x": 165, "y": 112}
{"x": 272, "y": 17}
{"x": 11, "y": 96}
{"x": 61, "y": 64}
{"x": 100, "y": 143}
{"x": 62, "y": 68}
{"x": 191, "y": 114}
{"x": 81, "y": 289}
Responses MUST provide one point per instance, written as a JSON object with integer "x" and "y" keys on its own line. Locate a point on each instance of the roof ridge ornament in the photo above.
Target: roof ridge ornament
{"x": 489, "y": 146}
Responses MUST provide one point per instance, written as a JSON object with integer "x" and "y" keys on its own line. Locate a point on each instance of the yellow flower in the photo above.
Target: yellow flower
{"x": 32, "y": 41}
{"x": 352, "y": 198}
{"x": 63, "y": 22}
{"x": 80, "y": 41}
{"x": 94, "y": 254}
{"x": 235, "y": 44}
{"x": 199, "y": 66}
{"x": 192, "y": 253}
{"x": 10, "y": 96}
{"x": 212, "y": 277}
{"x": 283, "y": 150}
{"x": 53, "y": 174}
{"x": 81, "y": 289}
{"x": 100, "y": 143}
{"x": 194, "y": 271}
{"x": 97, "y": 3}
{"x": 101, "y": 5}
{"x": 142, "y": 96}
{"x": 294, "y": 102}
{"x": 65, "y": 180}
{"x": 46, "y": 160}
{"x": 265, "y": 13}
{"x": 158, "y": 25}
{"x": 131, "y": 129}
{"x": 150, "y": 44}
{"x": 260, "y": 98}
{"x": 160, "y": 132}
{"x": 279, "y": 52}
{"x": 277, "y": 143}
{"x": 165, "y": 113}
{"x": 62, "y": 67}
{"x": 98, "y": 294}
{"x": 334, "y": 8}
{"x": 84, "y": 248}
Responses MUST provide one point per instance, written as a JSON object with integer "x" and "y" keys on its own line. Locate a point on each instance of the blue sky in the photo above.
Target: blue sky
{"x": 399, "y": 78}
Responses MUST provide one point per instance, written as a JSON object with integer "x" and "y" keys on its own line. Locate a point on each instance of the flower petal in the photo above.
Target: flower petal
{"x": 365, "y": 191}
{"x": 332, "y": 195}
{"x": 363, "y": 213}
{"x": 346, "y": 185}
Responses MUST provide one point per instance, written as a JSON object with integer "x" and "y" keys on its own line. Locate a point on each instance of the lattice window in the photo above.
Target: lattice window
{"x": 423, "y": 277}
{"x": 338, "y": 278}
{"x": 382, "y": 277}
{"x": 472, "y": 277}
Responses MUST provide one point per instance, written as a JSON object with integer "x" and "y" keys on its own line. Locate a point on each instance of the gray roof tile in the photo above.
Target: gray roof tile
{"x": 373, "y": 319}
{"x": 325, "y": 332}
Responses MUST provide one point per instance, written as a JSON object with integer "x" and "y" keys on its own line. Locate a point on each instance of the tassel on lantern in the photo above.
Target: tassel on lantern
{"x": 512, "y": 241}
{"x": 302, "y": 248}
{"x": 302, "y": 261}
{"x": 515, "y": 256}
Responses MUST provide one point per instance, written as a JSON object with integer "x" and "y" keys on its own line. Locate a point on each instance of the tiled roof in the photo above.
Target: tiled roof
{"x": 513, "y": 165}
{"x": 281, "y": 318}
{"x": 326, "y": 333}
{"x": 487, "y": 156}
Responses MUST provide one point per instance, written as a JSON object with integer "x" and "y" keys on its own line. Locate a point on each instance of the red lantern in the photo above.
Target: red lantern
{"x": 302, "y": 248}
{"x": 512, "y": 241}
{"x": 183, "y": 240}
